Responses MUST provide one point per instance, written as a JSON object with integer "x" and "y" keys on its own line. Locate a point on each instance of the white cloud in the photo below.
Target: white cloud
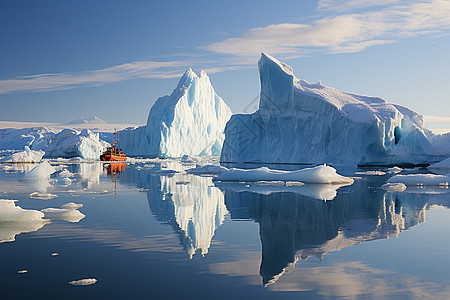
{"x": 60, "y": 81}
{"x": 343, "y": 5}
{"x": 341, "y": 34}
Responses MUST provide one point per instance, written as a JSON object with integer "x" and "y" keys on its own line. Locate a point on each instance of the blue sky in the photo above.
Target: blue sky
{"x": 64, "y": 59}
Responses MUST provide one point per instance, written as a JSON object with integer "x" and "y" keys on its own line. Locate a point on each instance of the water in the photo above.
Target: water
{"x": 153, "y": 234}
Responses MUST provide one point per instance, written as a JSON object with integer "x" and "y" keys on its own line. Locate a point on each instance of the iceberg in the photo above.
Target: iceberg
{"x": 72, "y": 143}
{"x": 299, "y": 122}
{"x": 66, "y": 143}
{"x": 26, "y": 156}
{"x": 190, "y": 121}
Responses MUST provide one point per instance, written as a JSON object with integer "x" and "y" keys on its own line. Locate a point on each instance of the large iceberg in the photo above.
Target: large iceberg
{"x": 65, "y": 143}
{"x": 299, "y": 122}
{"x": 190, "y": 121}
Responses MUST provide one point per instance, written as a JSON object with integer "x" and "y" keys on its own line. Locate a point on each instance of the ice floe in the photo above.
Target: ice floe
{"x": 421, "y": 179}
{"x": 322, "y": 174}
{"x": 83, "y": 282}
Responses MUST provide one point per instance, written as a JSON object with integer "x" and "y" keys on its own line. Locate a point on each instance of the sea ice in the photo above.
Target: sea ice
{"x": 394, "y": 187}
{"x": 83, "y": 282}
{"x": 190, "y": 121}
{"x": 42, "y": 196}
{"x": 372, "y": 173}
{"x": 299, "y": 122}
{"x": 394, "y": 170}
{"x": 421, "y": 179}
{"x": 322, "y": 174}
{"x": 72, "y": 206}
{"x": 15, "y": 220}
{"x": 68, "y": 212}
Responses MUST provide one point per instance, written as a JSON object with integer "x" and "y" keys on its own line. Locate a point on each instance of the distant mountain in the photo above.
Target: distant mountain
{"x": 82, "y": 120}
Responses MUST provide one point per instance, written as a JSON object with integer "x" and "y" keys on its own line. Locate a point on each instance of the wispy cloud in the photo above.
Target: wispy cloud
{"x": 344, "y": 5}
{"x": 61, "y": 81}
{"x": 343, "y": 33}
{"x": 338, "y": 33}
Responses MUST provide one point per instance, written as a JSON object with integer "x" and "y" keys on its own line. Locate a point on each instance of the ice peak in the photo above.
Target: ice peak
{"x": 186, "y": 79}
{"x": 266, "y": 58}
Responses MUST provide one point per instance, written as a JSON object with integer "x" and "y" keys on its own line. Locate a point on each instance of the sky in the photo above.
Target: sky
{"x": 61, "y": 60}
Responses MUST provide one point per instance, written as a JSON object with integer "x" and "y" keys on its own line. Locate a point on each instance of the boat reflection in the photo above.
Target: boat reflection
{"x": 115, "y": 168}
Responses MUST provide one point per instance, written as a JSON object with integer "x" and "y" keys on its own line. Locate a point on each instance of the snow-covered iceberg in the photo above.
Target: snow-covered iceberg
{"x": 26, "y": 156}
{"x": 299, "y": 122}
{"x": 66, "y": 143}
{"x": 72, "y": 143}
{"x": 190, "y": 121}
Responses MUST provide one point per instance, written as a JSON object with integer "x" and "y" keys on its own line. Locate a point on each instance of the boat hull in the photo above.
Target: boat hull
{"x": 112, "y": 157}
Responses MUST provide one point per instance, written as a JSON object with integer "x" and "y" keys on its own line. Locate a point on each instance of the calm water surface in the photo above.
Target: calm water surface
{"x": 150, "y": 233}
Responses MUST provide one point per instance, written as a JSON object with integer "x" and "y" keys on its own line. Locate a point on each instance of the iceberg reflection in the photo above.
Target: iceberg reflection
{"x": 294, "y": 227}
{"x": 318, "y": 191}
{"x": 191, "y": 204}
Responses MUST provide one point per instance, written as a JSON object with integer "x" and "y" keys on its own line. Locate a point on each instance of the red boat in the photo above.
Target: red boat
{"x": 113, "y": 153}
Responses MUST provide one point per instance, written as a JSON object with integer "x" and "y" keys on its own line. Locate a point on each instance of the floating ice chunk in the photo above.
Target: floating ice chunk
{"x": 394, "y": 170}
{"x": 372, "y": 173}
{"x": 26, "y": 156}
{"x": 40, "y": 172}
{"x": 69, "y": 215}
{"x": 207, "y": 170}
{"x": 15, "y": 220}
{"x": 9, "y": 212}
{"x": 83, "y": 282}
{"x": 42, "y": 196}
{"x": 65, "y": 173}
{"x": 394, "y": 187}
{"x": 322, "y": 174}
{"x": 421, "y": 179}
{"x": 72, "y": 206}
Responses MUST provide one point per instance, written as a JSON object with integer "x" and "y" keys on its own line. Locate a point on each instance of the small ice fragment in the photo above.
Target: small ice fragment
{"x": 395, "y": 170}
{"x": 42, "y": 196}
{"x": 71, "y": 206}
{"x": 372, "y": 173}
{"x": 394, "y": 187}
{"x": 83, "y": 282}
